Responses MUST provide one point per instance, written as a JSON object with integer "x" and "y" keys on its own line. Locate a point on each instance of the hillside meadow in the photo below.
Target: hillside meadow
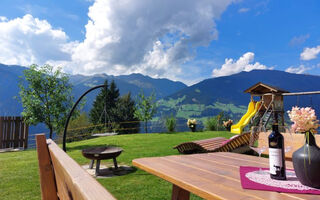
{"x": 20, "y": 179}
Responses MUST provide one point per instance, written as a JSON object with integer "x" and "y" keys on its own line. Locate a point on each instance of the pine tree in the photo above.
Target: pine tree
{"x": 96, "y": 113}
{"x": 112, "y": 99}
{"x": 125, "y": 113}
{"x": 104, "y": 106}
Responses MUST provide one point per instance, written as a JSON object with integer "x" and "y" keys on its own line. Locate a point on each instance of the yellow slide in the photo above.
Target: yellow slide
{"x": 245, "y": 119}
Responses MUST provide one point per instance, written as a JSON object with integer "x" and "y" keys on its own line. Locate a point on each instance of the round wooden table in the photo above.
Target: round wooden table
{"x": 102, "y": 153}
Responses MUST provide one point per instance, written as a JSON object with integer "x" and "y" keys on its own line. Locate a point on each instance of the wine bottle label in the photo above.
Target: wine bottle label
{"x": 275, "y": 160}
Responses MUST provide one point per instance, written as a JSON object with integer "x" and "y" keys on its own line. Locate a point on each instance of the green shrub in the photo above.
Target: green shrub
{"x": 79, "y": 128}
{"x": 171, "y": 123}
{"x": 211, "y": 123}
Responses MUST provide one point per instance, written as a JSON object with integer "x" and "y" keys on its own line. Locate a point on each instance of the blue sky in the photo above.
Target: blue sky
{"x": 182, "y": 40}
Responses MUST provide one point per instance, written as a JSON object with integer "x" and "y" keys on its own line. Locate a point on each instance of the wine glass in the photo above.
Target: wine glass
{"x": 257, "y": 131}
{"x": 288, "y": 145}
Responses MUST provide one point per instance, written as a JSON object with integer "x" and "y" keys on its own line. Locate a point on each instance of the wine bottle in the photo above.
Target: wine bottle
{"x": 276, "y": 154}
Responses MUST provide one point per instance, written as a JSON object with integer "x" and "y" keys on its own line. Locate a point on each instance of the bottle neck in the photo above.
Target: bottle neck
{"x": 275, "y": 128}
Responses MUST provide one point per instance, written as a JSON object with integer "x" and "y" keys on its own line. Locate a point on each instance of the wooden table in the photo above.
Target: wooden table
{"x": 211, "y": 176}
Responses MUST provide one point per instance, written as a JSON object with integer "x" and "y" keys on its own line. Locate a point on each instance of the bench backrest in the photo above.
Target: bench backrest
{"x": 62, "y": 178}
{"x": 296, "y": 141}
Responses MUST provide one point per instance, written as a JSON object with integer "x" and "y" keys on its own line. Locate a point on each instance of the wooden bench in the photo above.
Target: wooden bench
{"x": 62, "y": 178}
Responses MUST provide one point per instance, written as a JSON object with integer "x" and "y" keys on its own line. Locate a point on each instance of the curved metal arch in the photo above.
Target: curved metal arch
{"x": 70, "y": 114}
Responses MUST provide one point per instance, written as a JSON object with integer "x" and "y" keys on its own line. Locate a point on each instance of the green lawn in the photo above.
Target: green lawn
{"x": 19, "y": 177}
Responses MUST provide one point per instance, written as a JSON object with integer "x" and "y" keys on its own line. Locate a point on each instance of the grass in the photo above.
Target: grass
{"x": 19, "y": 177}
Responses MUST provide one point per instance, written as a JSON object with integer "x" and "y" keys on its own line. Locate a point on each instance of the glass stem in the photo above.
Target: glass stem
{"x": 260, "y": 170}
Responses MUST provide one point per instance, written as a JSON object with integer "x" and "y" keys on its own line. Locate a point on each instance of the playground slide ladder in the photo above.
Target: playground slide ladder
{"x": 257, "y": 113}
{"x": 266, "y": 116}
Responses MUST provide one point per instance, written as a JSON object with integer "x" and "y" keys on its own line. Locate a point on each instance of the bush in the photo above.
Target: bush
{"x": 79, "y": 128}
{"x": 211, "y": 124}
{"x": 171, "y": 123}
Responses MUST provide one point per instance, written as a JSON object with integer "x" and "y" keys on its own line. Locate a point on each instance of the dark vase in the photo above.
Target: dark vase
{"x": 193, "y": 128}
{"x": 308, "y": 172}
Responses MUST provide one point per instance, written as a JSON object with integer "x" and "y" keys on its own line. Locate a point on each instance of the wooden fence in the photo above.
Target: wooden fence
{"x": 13, "y": 132}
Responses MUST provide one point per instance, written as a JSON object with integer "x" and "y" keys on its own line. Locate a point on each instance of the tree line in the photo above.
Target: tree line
{"x": 45, "y": 95}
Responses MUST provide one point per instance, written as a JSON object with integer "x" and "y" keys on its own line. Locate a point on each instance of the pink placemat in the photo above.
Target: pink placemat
{"x": 251, "y": 179}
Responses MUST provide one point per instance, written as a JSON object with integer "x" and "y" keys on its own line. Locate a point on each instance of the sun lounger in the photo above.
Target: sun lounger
{"x": 237, "y": 144}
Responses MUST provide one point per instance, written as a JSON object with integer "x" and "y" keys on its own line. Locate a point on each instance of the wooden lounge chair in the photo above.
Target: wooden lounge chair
{"x": 238, "y": 144}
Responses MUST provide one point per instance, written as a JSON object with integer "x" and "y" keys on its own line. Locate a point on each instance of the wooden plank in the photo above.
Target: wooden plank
{"x": 1, "y": 133}
{"x": 47, "y": 180}
{"x": 21, "y": 133}
{"x": 16, "y": 130}
{"x": 300, "y": 93}
{"x": 179, "y": 193}
{"x": 8, "y": 131}
{"x": 4, "y": 132}
{"x": 73, "y": 182}
{"x": 25, "y": 134}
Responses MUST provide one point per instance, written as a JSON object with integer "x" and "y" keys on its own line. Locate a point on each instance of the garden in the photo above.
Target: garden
{"x": 19, "y": 173}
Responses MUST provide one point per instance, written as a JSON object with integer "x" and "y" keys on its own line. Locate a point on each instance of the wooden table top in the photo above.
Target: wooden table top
{"x": 212, "y": 175}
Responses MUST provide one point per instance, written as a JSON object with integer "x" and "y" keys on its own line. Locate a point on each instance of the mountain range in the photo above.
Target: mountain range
{"x": 134, "y": 83}
{"x": 204, "y": 99}
{"x": 211, "y": 96}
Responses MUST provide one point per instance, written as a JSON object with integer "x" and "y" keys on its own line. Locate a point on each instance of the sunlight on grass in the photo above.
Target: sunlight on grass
{"x": 19, "y": 170}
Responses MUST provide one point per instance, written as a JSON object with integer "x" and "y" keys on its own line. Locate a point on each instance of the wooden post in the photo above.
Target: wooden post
{"x": 179, "y": 194}
{"x": 1, "y": 132}
{"x": 47, "y": 178}
{"x": 25, "y": 130}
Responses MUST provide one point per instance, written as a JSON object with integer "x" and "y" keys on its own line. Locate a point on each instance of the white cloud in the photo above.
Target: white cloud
{"x": 298, "y": 70}
{"x": 28, "y": 40}
{"x": 310, "y": 53}
{"x": 298, "y": 40}
{"x": 243, "y": 10}
{"x": 150, "y": 37}
{"x": 235, "y": 66}
{"x": 3, "y": 18}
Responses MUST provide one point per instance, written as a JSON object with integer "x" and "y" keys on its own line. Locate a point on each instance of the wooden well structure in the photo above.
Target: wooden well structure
{"x": 271, "y": 98}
